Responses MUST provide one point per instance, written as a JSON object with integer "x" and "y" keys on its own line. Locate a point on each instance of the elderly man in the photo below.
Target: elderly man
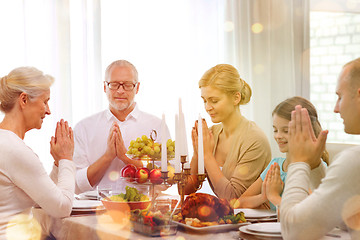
{"x": 101, "y": 140}
{"x": 336, "y": 201}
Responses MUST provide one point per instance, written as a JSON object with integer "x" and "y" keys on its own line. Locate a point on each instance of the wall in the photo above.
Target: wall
{"x": 334, "y": 40}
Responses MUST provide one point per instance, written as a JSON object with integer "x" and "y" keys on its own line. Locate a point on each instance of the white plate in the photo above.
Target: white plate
{"x": 244, "y": 229}
{"x": 86, "y": 204}
{"x": 256, "y": 213}
{"x": 271, "y": 228}
{"x": 91, "y": 194}
{"x": 215, "y": 228}
{"x": 83, "y": 210}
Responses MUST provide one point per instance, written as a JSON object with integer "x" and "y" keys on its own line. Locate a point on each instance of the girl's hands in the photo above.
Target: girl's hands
{"x": 274, "y": 184}
{"x": 263, "y": 187}
{"x": 62, "y": 144}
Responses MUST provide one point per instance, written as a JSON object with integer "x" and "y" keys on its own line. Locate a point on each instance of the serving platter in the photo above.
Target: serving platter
{"x": 212, "y": 229}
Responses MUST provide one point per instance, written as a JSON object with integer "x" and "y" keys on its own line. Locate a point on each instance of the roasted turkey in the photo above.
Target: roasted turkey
{"x": 205, "y": 207}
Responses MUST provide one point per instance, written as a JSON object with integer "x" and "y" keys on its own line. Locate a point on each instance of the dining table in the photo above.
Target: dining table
{"x": 99, "y": 225}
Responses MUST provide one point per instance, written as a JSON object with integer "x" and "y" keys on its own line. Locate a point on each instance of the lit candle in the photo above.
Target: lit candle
{"x": 185, "y": 146}
{"x": 163, "y": 145}
{"x": 184, "y": 149}
{"x": 200, "y": 147}
{"x": 177, "y": 145}
{"x": 181, "y": 127}
{"x": 183, "y": 140}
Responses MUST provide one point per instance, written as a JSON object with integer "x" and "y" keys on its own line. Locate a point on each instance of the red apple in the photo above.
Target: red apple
{"x": 141, "y": 175}
{"x": 155, "y": 176}
{"x": 128, "y": 172}
{"x": 146, "y": 169}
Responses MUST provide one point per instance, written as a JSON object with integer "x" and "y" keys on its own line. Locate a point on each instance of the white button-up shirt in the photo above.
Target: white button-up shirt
{"x": 91, "y": 136}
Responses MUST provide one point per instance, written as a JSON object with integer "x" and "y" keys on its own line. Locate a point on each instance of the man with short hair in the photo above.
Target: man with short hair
{"x": 101, "y": 139}
{"x": 336, "y": 201}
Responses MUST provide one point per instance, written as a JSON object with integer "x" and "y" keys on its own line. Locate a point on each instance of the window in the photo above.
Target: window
{"x": 334, "y": 40}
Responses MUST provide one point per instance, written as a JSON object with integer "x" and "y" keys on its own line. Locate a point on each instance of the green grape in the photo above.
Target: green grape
{"x": 168, "y": 143}
{"x": 132, "y": 143}
{"x": 134, "y": 151}
{"x": 136, "y": 145}
{"x": 144, "y": 137}
{"x": 138, "y": 140}
{"x": 147, "y": 149}
{"x": 152, "y": 152}
{"x": 157, "y": 149}
{"x": 170, "y": 149}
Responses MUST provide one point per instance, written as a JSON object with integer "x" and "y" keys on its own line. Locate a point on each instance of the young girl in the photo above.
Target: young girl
{"x": 269, "y": 186}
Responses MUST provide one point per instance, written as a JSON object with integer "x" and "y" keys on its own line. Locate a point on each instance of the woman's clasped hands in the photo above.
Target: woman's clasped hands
{"x": 62, "y": 144}
{"x": 208, "y": 139}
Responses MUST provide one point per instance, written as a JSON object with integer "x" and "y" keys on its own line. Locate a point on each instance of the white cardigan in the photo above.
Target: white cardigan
{"x": 337, "y": 198}
{"x": 25, "y": 183}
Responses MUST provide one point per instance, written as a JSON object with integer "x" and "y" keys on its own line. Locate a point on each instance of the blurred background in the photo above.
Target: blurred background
{"x": 281, "y": 48}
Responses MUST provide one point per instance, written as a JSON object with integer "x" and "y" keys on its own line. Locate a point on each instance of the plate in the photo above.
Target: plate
{"x": 91, "y": 194}
{"x": 86, "y": 204}
{"x": 271, "y": 228}
{"x": 256, "y": 213}
{"x": 244, "y": 229}
{"x": 215, "y": 228}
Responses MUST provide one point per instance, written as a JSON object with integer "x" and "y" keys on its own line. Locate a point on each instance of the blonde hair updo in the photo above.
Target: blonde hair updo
{"x": 226, "y": 78}
{"x": 23, "y": 79}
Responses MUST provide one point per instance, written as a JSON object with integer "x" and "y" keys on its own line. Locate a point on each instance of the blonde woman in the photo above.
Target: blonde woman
{"x": 236, "y": 150}
{"x": 24, "y": 96}
{"x": 269, "y": 186}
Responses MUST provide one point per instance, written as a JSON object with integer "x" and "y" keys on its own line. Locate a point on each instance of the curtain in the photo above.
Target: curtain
{"x": 268, "y": 41}
{"x": 61, "y": 38}
{"x": 172, "y": 43}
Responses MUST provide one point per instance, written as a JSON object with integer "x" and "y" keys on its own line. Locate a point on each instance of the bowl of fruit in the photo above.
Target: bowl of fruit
{"x": 156, "y": 221}
{"x": 119, "y": 205}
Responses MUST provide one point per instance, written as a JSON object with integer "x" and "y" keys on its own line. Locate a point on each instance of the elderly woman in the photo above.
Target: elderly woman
{"x": 236, "y": 150}
{"x": 24, "y": 96}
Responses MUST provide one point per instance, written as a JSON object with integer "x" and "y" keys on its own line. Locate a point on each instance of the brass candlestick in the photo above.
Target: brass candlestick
{"x": 182, "y": 179}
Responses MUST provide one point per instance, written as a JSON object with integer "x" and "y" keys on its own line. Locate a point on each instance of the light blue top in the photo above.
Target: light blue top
{"x": 283, "y": 174}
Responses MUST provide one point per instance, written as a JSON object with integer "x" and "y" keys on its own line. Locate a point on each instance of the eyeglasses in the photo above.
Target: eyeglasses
{"x": 116, "y": 85}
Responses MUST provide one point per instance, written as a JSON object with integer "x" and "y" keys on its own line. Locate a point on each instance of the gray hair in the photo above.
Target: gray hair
{"x": 23, "y": 79}
{"x": 120, "y": 63}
